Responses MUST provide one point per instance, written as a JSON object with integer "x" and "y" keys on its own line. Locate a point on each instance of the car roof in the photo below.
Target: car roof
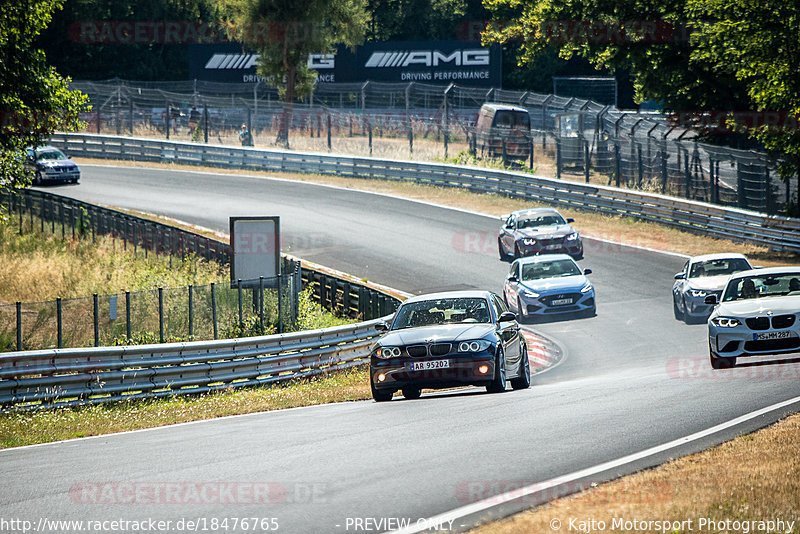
{"x": 718, "y": 256}
{"x": 535, "y": 211}
{"x": 473, "y": 293}
{"x": 543, "y": 258}
{"x": 789, "y": 269}
{"x": 504, "y": 107}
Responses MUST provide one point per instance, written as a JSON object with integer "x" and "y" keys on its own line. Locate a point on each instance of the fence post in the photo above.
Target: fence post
{"x": 585, "y": 159}
{"x": 96, "y": 307}
{"x": 558, "y": 157}
{"x": 191, "y": 310}
{"x": 617, "y": 163}
{"x": 160, "y": 314}
{"x": 664, "y": 167}
{"x": 329, "y": 131}
{"x": 369, "y": 128}
{"x": 214, "y": 308}
{"x": 280, "y": 303}
{"x": 205, "y": 124}
{"x": 19, "y": 325}
{"x": 261, "y": 302}
{"x": 128, "y": 316}
{"x": 239, "y": 293}
{"x": 59, "y": 323}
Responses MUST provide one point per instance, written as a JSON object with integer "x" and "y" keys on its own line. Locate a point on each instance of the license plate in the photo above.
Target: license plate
{"x": 552, "y": 247}
{"x": 772, "y": 335}
{"x": 561, "y": 302}
{"x": 431, "y": 364}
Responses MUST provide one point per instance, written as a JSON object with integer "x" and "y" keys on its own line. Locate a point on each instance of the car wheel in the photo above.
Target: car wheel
{"x": 380, "y": 395}
{"x": 685, "y": 313}
{"x": 520, "y": 309}
{"x": 523, "y": 381}
{"x": 676, "y": 311}
{"x": 517, "y": 251}
{"x": 37, "y": 178}
{"x": 578, "y": 256}
{"x": 503, "y": 255}
{"x": 718, "y": 362}
{"x": 498, "y": 384}
{"x": 412, "y": 393}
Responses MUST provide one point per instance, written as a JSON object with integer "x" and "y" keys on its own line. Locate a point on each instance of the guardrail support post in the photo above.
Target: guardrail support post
{"x": 96, "y": 309}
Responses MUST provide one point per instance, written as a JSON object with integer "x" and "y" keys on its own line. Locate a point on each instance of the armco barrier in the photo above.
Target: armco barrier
{"x": 71, "y": 377}
{"x": 776, "y": 232}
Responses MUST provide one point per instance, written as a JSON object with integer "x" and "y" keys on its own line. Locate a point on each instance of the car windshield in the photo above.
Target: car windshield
{"x": 549, "y": 269}
{"x": 766, "y": 285}
{"x": 541, "y": 220}
{"x": 718, "y": 267}
{"x": 442, "y": 311}
{"x": 50, "y": 154}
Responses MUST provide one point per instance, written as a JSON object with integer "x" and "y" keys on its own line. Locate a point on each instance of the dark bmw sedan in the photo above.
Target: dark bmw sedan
{"x": 450, "y": 339}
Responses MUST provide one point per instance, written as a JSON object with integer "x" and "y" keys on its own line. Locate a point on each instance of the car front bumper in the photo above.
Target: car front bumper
{"x": 463, "y": 370}
{"x": 574, "y": 248}
{"x": 742, "y": 341}
{"x": 550, "y": 305}
{"x": 52, "y": 175}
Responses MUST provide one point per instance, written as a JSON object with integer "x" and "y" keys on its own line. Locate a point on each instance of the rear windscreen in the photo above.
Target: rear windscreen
{"x": 512, "y": 119}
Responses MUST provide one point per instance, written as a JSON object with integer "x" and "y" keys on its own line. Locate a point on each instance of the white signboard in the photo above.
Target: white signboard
{"x": 255, "y": 250}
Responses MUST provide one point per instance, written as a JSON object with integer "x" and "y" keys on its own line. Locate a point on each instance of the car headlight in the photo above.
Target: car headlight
{"x": 725, "y": 322}
{"x": 529, "y": 241}
{"x": 586, "y": 288}
{"x": 473, "y": 346}
{"x": 573, "y": 236}
{"x": 387, "y": 352}
{"x": 530, "y": 293}
{"x": 698, "y": 293}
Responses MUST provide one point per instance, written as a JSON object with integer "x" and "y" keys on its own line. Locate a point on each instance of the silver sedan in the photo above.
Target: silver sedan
{"x": 701, "y": 277}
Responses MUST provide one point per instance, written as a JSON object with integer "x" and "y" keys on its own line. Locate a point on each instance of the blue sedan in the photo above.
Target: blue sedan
{"x": 540, "y": 286}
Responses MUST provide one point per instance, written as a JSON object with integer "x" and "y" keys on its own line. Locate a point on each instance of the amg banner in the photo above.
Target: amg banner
{"x": 434, "y": 62}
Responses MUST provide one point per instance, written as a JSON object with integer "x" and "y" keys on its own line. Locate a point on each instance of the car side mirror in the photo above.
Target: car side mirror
{"x": 587, "y": 271}
{"x": 570, "y": 220}
{"x": 711, "y": 299}
{"x": 512, "y": 278}
{"x": 69, "y": 157}
{"x": 680, "y": 276}
{"x": 507, "y": 317}
{"x": 382, "y": 327}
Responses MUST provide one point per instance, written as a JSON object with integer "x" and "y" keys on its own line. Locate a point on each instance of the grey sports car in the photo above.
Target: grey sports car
{"x": 538, "y": 231}
{"x": 449, "y": 339}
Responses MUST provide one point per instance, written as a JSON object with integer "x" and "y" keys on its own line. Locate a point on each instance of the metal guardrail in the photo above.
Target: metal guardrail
{"x": 776, "y": 232}
{"x": 72, "y": 377}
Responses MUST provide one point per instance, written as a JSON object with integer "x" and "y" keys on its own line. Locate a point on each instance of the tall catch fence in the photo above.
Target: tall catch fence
{"x": 569, "y": 138}
{"x": 201, "y": 312}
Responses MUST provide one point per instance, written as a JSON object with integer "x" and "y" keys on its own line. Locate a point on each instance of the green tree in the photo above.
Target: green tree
{"x": 285, "y": 32}
{"x": 757, "y": 42}
{"x": 35, "y": 100}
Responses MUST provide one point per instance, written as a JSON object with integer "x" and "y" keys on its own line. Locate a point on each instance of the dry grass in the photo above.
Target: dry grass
{"x": 614, "y": 228}
{"x": 38, "y": 267}
{"x": 752, "y": 478}
{"x": 67, "y": 423}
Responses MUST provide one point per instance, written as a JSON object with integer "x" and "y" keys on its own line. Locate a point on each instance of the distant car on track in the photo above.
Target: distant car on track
{"x": 538, "y": 231}
{"x": 553, "y": 284}
{"x": 49, "y": 164}
{"x": 700, "y": 277}
{"x": 759, "y": 314}
{"x": 449, "y": 339}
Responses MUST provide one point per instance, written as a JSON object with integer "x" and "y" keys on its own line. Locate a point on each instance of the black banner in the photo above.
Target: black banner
{"x": 431, "y": 62}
